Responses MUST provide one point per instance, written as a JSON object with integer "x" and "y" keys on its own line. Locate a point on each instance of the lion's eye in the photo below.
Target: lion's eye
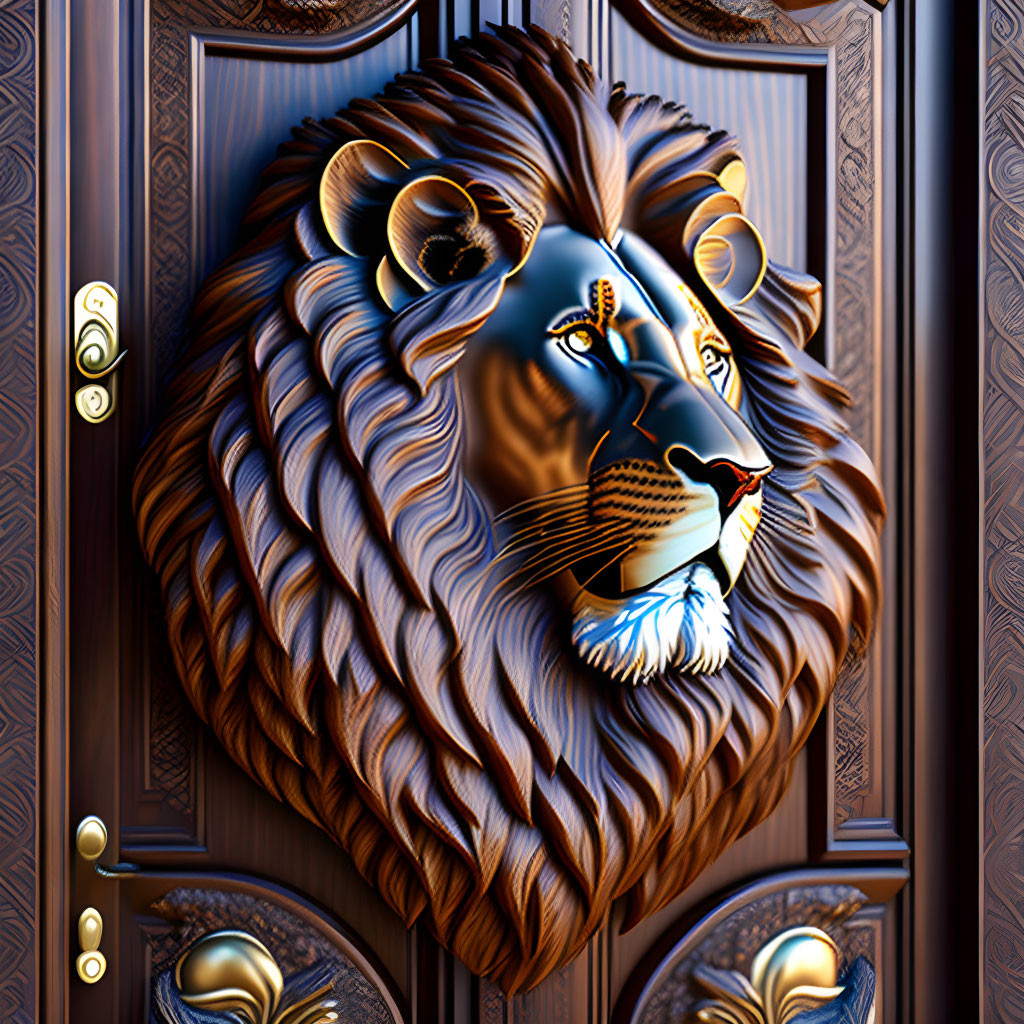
{"x": 719, "y": 370}
{"x": 580, "y": 340}
{"x": 714, "y": 362}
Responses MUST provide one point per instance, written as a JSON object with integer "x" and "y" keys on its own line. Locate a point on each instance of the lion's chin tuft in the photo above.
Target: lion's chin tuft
{"x": 680, "y": 621}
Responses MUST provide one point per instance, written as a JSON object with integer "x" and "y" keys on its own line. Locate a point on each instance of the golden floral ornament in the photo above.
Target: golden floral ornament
{"x": 796, "y": 972}
{"x": 231, "y": 974}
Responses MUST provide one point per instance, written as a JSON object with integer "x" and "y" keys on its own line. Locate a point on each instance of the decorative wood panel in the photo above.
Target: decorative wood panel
{"x": 169, "y": 911}
{"x": 236, "y": 130}
{"x": 207, "y": 59}
{"x": 172, "y": 131}
{"x": 854, "y": 908}
{"x": 1003, "y": 210}
{"x": 19, "y": 725}
{"x": 201, "y": 179}
{"x": 187, "y": 914}
{"x": 767, "y": 110}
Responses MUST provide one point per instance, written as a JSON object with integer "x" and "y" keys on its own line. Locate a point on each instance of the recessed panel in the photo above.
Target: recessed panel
{"x": 246, "y": 104}
{"x": 765, "y": 110}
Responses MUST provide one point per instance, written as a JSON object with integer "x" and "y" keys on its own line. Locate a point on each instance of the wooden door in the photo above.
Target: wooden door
{"x": 174, "y": 109}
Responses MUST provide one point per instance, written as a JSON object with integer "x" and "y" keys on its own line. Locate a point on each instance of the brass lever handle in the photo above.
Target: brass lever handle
{"x": 91, "y": 963}
{"x": 90, "y": 841}
{"x": 96, "y": 348}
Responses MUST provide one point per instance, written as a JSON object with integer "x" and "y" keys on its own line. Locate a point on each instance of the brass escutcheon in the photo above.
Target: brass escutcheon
{"x": 91, "y": 964}
{"x": 96, "y": 348}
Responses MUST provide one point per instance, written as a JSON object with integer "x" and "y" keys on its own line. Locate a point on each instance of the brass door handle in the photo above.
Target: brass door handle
{"x": 96, "y": 348}
{"x": 91, "y": 963}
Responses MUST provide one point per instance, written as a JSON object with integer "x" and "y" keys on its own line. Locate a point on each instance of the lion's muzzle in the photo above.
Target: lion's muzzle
{"x": 682, "y": 481}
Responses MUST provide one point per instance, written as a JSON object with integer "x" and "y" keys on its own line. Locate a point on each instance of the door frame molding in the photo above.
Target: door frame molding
{"x": 1001, "y": 528}
{"x": 942, "y": 373}
{"x": 34, "y": 834}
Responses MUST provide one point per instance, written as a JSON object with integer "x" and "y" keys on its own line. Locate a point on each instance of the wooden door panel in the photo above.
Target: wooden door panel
{"x": 210, "y": 90}
{"x": 246, "y": 96}
{"x": 180, "y": 192}
{"x": 826, "y": 147}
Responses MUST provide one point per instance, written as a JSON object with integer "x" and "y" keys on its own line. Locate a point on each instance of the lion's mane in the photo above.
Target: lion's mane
{"x": 328, "y": 572}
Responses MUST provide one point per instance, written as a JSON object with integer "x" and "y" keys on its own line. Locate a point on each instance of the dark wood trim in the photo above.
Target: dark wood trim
{"x": 941, "y": 302}
{"x": 329, "y": 46}
{"x": 55, "y": 828}
{"x": 943, "y": 373}
{"x": 1001, "y": 333}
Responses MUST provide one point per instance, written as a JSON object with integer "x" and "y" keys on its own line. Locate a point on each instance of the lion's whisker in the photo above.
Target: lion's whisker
{"x": 556, "y": 531}
{"x": 554, "y": 553}
{"x": 590, "y": 579}
{"x": 563, "y": 559}
{"x": 556, "y": 547}
{"x": 555, "y": 515}
{"x": 582, "y": 541}
{"x": 545, "y": 538}
{"x": 554, "y": 569}
{"x": 561, "y": 495}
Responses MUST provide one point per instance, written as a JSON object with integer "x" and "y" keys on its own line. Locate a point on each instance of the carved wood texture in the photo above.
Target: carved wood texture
{"x": 172, "y": 749}
{"x": 857, "y": 784}
{"x": 669, "y": 989}
{"x": 294, "y": 610}
{"x": 18, "y": 550}
{"x": 171, "y": 752}
{"x": 1003, "y": 207}
{"x": 170, "y": 224}
{"x": 295, "y": 946}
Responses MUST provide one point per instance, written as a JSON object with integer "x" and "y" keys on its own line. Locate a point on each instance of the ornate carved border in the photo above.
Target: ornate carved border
{"x": 296, "y": 946}
{"x": 19, "y": 706}
{"x": 1003, "y": 470}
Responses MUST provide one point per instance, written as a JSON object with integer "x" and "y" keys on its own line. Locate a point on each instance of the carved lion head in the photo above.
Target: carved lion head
{"x": 504, "y": 527}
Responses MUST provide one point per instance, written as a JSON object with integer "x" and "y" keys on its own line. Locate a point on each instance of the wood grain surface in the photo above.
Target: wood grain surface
{"x": 182, "y": 803}
{"x": 859, "y": 335}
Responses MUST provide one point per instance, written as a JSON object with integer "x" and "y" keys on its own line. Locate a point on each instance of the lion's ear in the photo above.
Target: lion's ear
{"x": 733, "y": 178}
{"x": 356, "y": 190}
{"x": 436, "y": 236}
{"x": 726, "y": 249}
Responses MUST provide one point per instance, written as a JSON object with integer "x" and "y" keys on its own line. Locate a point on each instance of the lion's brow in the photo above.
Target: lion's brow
{"x": 600, "y": 312}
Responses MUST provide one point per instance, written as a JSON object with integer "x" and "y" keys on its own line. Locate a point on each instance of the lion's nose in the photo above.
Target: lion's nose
{"x": 729, "y": 479}
{"x": 700, "y": 434}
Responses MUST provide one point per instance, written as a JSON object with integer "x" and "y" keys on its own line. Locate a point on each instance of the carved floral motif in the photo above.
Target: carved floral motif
{"x": 792, "y": 976}
{"x": 232, "y": 976}
{"x": 275, "y": 965}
